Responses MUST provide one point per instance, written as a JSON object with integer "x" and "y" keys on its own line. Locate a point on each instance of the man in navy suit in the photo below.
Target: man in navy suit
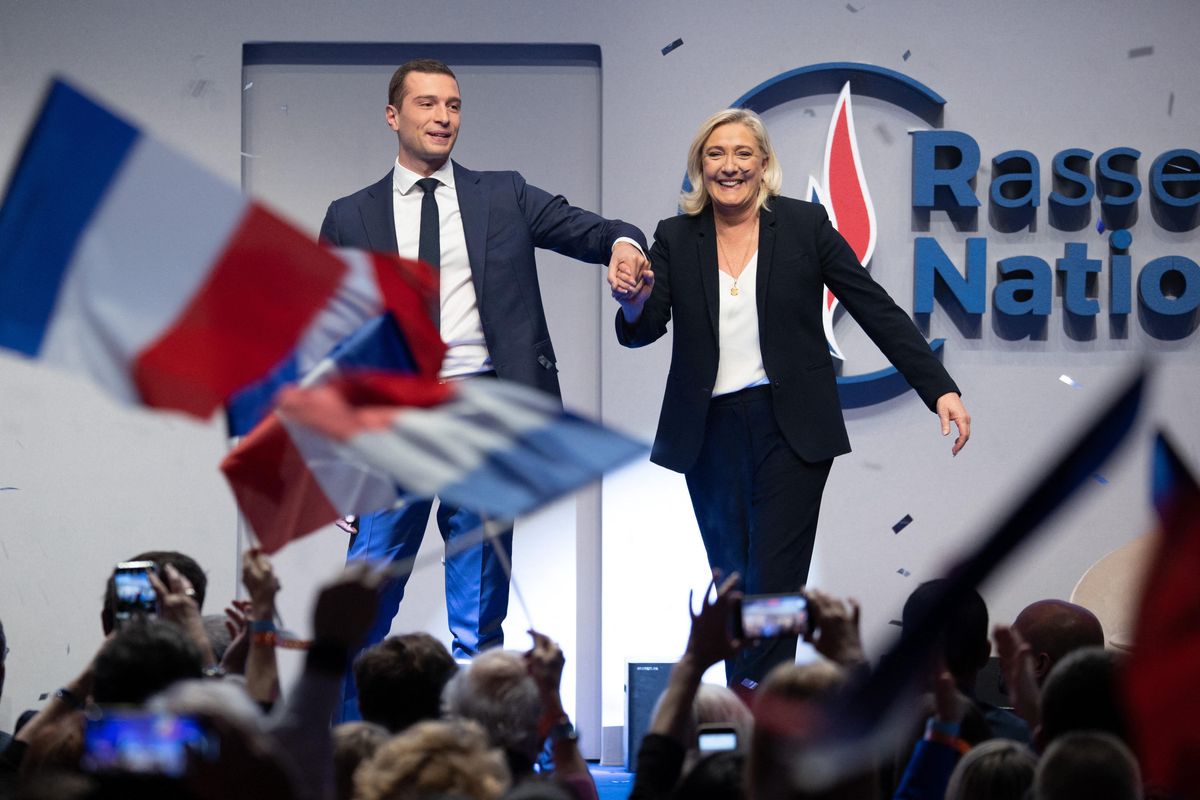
{"x": 480, "y": 230}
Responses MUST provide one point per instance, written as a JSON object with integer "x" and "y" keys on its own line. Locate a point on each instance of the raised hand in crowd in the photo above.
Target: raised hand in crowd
{"x": 262, "y": 585}
{"x": 833, "y": 628}
{"x": 177, "y": 604}
{"x": 1016, "y": 665}
{"x": 545, "y": 662}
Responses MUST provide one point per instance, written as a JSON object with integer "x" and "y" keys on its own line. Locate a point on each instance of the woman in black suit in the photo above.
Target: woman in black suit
{"x": 751, "y": 413}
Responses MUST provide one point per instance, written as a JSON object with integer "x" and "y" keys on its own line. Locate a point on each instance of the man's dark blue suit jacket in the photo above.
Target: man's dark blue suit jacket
{"x": 504, "y": 219}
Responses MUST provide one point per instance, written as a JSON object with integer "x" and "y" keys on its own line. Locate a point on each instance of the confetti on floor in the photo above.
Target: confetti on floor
{"x": 902, "y": 524}
{"x": 672, "y": 46}
{"x": 1138, "y": 52}
{"x": 1069, "y": 381}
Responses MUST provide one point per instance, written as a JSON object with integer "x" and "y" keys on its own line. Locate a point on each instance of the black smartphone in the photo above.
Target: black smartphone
{"x": 145, "y": 743}
{"x": 766, "y": 616}
{"x": 135, "y": 595}
{"x": 716, "y": 737}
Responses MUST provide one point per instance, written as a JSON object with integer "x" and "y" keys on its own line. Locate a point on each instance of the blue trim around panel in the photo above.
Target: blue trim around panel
{"x": 857, "y": 391}
{"x": 866, "y": 79}
{"x": 66, "y": 165}
{"x": 396, "y": 53}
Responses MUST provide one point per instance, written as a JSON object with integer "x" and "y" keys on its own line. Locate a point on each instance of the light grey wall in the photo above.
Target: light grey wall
{"x": 96, "y": 483}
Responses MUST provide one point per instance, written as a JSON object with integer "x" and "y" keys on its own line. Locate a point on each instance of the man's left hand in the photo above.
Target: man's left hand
{"x": 625, "y": 269}
{"x": 950, "y": 408}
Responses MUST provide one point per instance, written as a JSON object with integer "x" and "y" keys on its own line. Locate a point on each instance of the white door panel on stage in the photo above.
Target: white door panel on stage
{"x": 314, "y": 132}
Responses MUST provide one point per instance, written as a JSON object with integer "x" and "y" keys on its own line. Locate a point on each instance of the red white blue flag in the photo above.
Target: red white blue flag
{"x": 365, "y": 442}
{"x": 124, "y": 261}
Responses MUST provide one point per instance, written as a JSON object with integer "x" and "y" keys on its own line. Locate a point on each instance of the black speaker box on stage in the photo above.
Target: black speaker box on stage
{"x": 644, "y": 682}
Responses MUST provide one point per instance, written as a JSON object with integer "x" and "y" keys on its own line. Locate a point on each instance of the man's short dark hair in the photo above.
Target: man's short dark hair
{"x": 143, "y": 658}
{"x": 1082, "y": 693}
{"x": 964, "y": 631}
{"x": 400, "y": 680}
{"x": 185, "y": 564}
{"x": 1087, "y": 764}
{"x": 396, "y": 85}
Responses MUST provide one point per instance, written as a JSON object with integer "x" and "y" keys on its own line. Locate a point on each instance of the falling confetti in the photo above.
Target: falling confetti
{"x": 1099, "y": 226}
{"x": 1138, "y": 52}
{"x": 1170, "y": 103}
{"x": 672, "y": 46}
{"x": 851, "y": 9}
{"x": 896, "y": 622}
{"x": 884, "y": 133}
{"x": 1069, "y": 381}
{"x": 246, "y": 88}
{"x": 904, "y": 522}
{"x": 8, "y": 488}
{"x": 907, "y": 55}
{"x": 248, "y": 155}
{"x": 808, "y": 112}
{"x": 1100, "y": 479}
{"x": 904, "y": 572}
{"x": 1177, "y": 167}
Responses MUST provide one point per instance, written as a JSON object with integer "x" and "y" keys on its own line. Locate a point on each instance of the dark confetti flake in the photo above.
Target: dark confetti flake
{"x": 902, "y": 524}
{"x": 1138, "y": 52}
{"x": 883, "y": 133}
{"x": 1100, "y": 479}
{"x": 907, "y": 55}
{"x": 1170, "y": 103}
{"x": 1099, "y": 226}
{"x": 851, "y": 9}
{"x": 896, "y": 622}
{"x": 808, "y": 112}
{"x": 672, "y": 46}
{"x": 903, "y": 571}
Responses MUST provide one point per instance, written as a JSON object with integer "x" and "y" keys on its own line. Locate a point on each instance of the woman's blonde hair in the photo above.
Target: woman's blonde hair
{"x": 693, "y": 202}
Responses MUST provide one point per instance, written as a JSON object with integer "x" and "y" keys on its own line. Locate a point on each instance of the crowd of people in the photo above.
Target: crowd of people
{"x": 173, "y": 705}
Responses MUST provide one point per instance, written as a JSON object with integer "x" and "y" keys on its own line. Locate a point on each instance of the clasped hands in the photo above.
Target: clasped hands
{"x": 630, "y": 279}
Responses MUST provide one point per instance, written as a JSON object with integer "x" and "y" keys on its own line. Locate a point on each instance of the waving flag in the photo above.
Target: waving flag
{"x": 362, "y": 443}
{"x": 123, "y": 260}
{"x": 348, "y": 329}
{"x": 1160, "y": 680}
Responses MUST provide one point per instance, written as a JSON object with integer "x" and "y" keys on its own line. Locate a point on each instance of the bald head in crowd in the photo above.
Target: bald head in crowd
{"x": 1054, "y": 628}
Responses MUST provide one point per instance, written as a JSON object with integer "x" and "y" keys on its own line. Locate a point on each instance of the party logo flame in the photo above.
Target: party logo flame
{"x": 843, "y": 191}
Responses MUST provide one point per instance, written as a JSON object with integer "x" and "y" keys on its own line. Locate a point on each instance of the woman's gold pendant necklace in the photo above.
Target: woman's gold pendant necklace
{"x": 734, "y": 290}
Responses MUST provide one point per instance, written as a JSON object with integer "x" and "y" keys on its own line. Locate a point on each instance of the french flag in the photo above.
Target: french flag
{"x": 123, "y": 260}
{"x": 364, "y": 442}
{"x": 379, "y": 318}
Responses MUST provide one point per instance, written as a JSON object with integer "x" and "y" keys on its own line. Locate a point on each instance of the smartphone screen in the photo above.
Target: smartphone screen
{"x": 715, "y": 740}
{"x": 144, "y": 743}
{"x": 766, "y": 616}
{"x": 135, "y": 594}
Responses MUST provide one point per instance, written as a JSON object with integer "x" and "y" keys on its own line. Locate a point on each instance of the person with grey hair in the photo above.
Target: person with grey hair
{"x": 751, "y": 414}
{"x": 515, "y": 698}
{"x": 998, "y": 769}
{"x": 1089, "y": 764}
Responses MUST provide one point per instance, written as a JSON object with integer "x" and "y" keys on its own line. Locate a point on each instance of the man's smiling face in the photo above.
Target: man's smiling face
{"x": 426, "y": 120}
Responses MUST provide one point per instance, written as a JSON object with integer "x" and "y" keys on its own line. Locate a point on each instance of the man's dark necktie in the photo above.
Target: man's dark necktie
{"x": 429, "y": 247}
